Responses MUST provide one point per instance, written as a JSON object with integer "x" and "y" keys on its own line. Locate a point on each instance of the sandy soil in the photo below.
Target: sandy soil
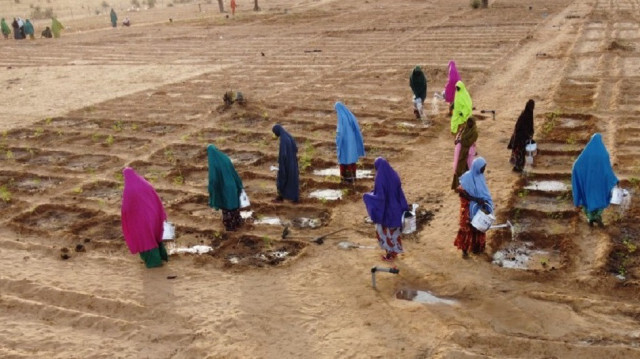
{"x": 79, "y": 108}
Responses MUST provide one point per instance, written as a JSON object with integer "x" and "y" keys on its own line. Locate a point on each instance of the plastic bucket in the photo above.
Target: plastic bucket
{"x": 616, "y": 195}
{"x": 528, "y": 160}
{"x": 531, "y": 147}
{"x": 168, "y": 231}
{"x": 408, "y": 222}
{"x": 482, "y": 221}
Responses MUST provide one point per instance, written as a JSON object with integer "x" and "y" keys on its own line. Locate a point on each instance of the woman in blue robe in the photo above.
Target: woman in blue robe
{"x": 349, "y": 143}
{"x": 288, "y": 181}
{"x": 592, "y": 180}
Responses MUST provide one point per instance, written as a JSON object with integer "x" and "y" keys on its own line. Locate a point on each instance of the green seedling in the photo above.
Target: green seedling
{"x": 109, "y": 140}
{"x": 5, "y": 194}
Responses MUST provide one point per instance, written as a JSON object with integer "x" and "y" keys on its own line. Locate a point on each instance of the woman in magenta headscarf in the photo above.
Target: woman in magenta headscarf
{"x": 385, "y": 206}
{"x": 142, "y": 219}
{"x": 450, "y": 88}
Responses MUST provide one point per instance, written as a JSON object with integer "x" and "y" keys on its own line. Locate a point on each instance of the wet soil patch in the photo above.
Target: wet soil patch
{"x": 182, "y": 153}
{"x": 298, "y": 216}
{"x": 252, "y": 251}
{"x": 24, "y": 182}
{"x": 108, "y": 228}
{"x": 90, "y": 162}
{"x": 195, "y": 205}
{"x": 569, "y": 129}
{"x": 534, "y": 205}
{"x": 249, "y": 158}
{"x": 65, "y": 122}
{"x": 37, "y": 136}
{"x": 559, "y": 148}
{"x": 103, "y": 190}
{"x": 152, "y": 172}
{"x": 106, "y": 141}
{"x": 49, "y": 217}
{"x": 170, "y": 196}
{"x": 187, "y": 236}
{"x": 578, "y": 95}
{"x": 624, "y": 258}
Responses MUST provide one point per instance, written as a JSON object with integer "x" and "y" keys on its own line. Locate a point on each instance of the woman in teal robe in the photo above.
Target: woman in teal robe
{"x": 224, "y": 187}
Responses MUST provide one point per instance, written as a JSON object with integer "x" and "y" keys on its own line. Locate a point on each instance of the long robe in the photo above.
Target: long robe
{"x": 386, "y": 204}
{"x": 56, "y": 27}
{"x": 142, "y": 213}
{"x": 5, "y": 27}
{"x": 349, "y": 142}
{"x": 114, "y": 18}
{"x": 288, "y": 180}
{"x": 592, "y": 177}
{"x": 450, "y": 88}
{"x": 474, "y": 183}
{"x": 462, "y": 107}
{"x": 418, "y": 83}
{"x": 225, "y": 185}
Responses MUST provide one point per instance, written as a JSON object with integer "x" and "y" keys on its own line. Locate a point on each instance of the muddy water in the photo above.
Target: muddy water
{"x": 421, "y": 296}
{"x": 336, "y": 172}
{"x": 327, "y": 194}
{"x": 547, "y": 186}
{"x": 523, "y": 255}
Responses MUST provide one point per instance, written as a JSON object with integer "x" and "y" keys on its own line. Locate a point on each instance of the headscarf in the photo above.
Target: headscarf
{"x": 5, "y": 28}
{"x": 349, "y": 143}
{"x": 474, "y": 183}
{"x": 20, "y": 22}
{"x": 56, "y": 27}
{"x": 114, "y": 18}
{"x": 462, "y": 107}
{"x": 418, "y": 83}
{"x": 142, "y": 213}
{"x": 386, "y": 204}
{"x": 288, "y": 182}
{"x": 28, "y": 28}
{"x": 224, "y": 183}
{"x": 524, "y": 127}
{"x": 592, "y": 177}
{"x": 450, "y": 88}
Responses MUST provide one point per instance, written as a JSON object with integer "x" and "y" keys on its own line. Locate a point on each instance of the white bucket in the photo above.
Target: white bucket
{"x": 408, "y": 222}
{"x": 168, "y": 231}
{"x": 482, "y": 221}
{"x": 417, "y": 104}
{"x": 528, "y": 160}
{"x": 531, "y": 148}
{"x": 617, "y": 195}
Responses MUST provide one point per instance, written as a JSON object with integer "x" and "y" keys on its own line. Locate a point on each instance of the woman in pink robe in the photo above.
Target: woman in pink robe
{"x": 142, "y": 219}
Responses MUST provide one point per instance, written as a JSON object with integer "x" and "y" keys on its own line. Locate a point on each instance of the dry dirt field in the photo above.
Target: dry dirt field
{"x": 76, "y": 110}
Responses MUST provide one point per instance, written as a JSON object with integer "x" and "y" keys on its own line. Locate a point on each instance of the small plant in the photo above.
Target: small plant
{"x": 48, "y": 120}
{"x": 109, "y": 140}
{"x": 168, "y": 155}
{"x": 5, "y": 194}
{"x": 267, "y": 242}
{"x": 95, "y": 137}
{"x": 38, "y": 132}
{"x": 117, "y": 126}
{"x": 476, "y": 4}
{"x": 345, "y": 192}
{"x": 631, "y": 247}
{"x": 134, "y": 126}
{"x": 572, "y": 139}
{"x": 184, "y": 137}
{"x": 77, "y": 190}
{"x": 178, "y": 180}
{"x": 544, "y": 262}
{"x": 9, "y": 155}
{"x": 523, "y": 193}
{"x": 634, "y": 181}
{"x": 307, "y": 156}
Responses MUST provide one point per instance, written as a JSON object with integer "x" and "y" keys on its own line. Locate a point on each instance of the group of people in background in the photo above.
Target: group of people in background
{"x": 592, "y": 179}
{"x": 22, "y": 29}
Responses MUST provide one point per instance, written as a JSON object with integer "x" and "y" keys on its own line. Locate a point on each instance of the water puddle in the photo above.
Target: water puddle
{"x": 336, "y": 172}
{"x": 273, "y": 221}
{"x": 522, "y": 255}
{"x": 571, "y": 122}
{"x": 327, "y": 194}
{"x": 303, "y": 222}
{"x": 246, "y": 214}
{"x": 351, "y": 245}
{"x": 548, "y": 186}
{"x": 421, "y": 296}
{"x": 191, "y": 250}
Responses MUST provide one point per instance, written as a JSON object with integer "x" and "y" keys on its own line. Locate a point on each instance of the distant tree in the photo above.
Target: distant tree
{"x": 105, "y": 5}
{"x": 135, "y": 3}
{"x": 221, "y": 5}
{"x": 151, "y": 3}
{"x": 255, "y": 5}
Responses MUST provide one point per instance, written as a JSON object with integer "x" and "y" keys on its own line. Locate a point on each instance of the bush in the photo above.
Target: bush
{"x": 476, "y": 4}
{"x": 37, "y": 13}
{"x": 135, "y": 3}
{"x": 151, "y": 3}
